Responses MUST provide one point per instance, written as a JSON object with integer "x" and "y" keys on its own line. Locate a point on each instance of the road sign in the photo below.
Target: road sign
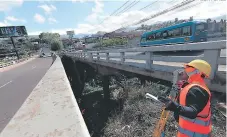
{"x": 14, "y": 31}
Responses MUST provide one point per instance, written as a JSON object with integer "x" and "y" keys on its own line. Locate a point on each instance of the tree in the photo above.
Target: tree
{"x": 47, "y": 37}
{"x": 56, "y": 45}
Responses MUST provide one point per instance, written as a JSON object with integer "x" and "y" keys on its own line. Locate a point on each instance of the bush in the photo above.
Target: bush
{"x": 112, "y": 42}
{"x": 138, "y": 116}
{"x": 56, "y": 45}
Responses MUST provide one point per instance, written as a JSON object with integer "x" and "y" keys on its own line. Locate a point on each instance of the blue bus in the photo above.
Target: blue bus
{"x": 193, "y": 31}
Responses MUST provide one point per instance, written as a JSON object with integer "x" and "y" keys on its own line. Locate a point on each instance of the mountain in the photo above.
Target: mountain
{"x": 219, "y": 17}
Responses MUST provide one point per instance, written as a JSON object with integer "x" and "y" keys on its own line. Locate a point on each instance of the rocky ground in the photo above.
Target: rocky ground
{"x": 130, "y": 114}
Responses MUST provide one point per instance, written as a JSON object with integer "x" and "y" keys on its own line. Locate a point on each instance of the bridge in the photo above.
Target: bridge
{"x": 160, "y": 61}
{"x": 52, "y": 110}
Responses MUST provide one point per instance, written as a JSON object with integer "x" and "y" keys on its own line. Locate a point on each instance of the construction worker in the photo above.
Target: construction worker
{"x": 192, "y": 109}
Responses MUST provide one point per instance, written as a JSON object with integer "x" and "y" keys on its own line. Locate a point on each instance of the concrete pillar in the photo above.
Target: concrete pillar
{"x": 106, "y": 90}
{"x": 122, "y": 57}
{"x": 212, "y": 56}
{"x": 142, "y": 81}
{"x": 149, "y": 60}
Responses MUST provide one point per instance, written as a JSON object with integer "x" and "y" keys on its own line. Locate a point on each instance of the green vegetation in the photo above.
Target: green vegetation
{"x": 48, "y": 37}
{"x": 111, "y": 42}
{"x": 92, "y": 40}
{"x": 52, "y": 39}
{"x": 56, "y": 45}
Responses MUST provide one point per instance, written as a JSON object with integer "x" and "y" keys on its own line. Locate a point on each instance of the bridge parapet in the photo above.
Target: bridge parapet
{"x": 50, "y": 110}
{"x": 156, "y": 58}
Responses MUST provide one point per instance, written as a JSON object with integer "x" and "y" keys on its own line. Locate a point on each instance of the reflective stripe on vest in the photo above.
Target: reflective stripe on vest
{"x": 192, "y": 134}
{"x": 197, "y": 121}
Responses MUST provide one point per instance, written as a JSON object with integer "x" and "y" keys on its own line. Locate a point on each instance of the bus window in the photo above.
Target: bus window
{"x": 171, "y": 33}
{"x": 143, "y": 40}
{"x": 200, "y": 27}
{"x": 186, "y": 31}
{"x": 158, "y": 35}
{"x": 177, "y": 32}
{"x": 165, "y": 34}
{"x": 151, "y": 37}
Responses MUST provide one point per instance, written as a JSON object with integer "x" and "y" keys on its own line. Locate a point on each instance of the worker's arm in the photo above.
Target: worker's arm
{"x": 196, "y": 100}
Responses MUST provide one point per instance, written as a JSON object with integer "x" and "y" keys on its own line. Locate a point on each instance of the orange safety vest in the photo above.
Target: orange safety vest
{"x": 201, "y": 125}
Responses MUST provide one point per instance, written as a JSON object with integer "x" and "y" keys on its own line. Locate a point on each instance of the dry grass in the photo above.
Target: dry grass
{"x": 139, "y": 115}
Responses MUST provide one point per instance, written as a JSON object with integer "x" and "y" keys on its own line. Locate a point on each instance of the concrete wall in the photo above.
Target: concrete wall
{"x": 50, "y": 110}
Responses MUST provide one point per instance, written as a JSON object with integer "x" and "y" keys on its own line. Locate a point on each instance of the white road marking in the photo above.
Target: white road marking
{"x": 6, "y": 84}
{"x": 33, "y": 67}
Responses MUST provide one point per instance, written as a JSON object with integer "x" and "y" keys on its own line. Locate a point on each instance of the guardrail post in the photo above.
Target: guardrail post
{"x": 149, "y": 62}
{"x": 122, "y": 57}
{"x": 98, "y": 57}
{"x": 107, "y": 56}
{"x": 212, "y": 56}
{"x": 90, "y": 56}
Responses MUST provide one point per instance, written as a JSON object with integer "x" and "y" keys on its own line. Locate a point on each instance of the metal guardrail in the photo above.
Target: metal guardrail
{"x": 214, "y": 35}
{"x": 132, "y": 56}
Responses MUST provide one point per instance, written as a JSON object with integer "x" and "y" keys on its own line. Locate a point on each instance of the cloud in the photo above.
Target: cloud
{"x": 96, "y": 11}
{"x": 5, "y": 23}
{"x": 198, "y": 9}
{"x": 48, "y": 9}
{"x": 14, "y": 19}
{"x": 34, "y": 33}
{"x": 52, "y": 20}
{"x": 39, "y": 18}
{"x": 8, "y": 5}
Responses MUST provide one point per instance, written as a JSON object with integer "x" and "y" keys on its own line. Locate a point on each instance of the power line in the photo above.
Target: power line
{"x": 120, "y": 7}
{"x": 148, "y": 5}
{"x": 162, "y": 12}
{"x": 165, "y": 11}
{"x": 131, "y": 6}
{"x": 114, "y": 11}
{"x": 189, "y": 7}
{"x": 170, "y": 1}
{"x": 128, "y": 7}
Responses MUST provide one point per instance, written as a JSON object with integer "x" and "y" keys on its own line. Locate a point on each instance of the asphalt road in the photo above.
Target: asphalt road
{"x": 16, "y": 85}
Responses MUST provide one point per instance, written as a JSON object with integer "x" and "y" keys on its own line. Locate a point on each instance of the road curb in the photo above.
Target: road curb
{"x": 13, "y": 64}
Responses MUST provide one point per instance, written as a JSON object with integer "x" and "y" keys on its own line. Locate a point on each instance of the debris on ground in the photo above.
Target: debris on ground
{"x": 221, "y": 107}
{"x": 130, "y": 114}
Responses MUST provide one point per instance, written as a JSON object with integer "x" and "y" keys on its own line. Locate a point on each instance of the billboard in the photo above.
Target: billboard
{"x": 70, "y": 32}
{"x": 16, "y": 31}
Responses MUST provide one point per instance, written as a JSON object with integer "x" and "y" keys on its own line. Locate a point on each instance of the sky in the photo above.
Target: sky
{"x": 90, "y": 16}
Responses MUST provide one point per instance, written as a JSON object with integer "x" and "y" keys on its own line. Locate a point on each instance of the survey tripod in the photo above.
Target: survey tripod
{"x": 173, "y": 95}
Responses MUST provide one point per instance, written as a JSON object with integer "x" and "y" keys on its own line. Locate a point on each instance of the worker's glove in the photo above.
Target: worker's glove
{"x": 176, "y": 116}
{"x": 172, "y": 106}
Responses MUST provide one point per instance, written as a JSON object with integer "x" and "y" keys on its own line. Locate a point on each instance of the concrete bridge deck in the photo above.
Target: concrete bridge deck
{"x": 146, "y": 61}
